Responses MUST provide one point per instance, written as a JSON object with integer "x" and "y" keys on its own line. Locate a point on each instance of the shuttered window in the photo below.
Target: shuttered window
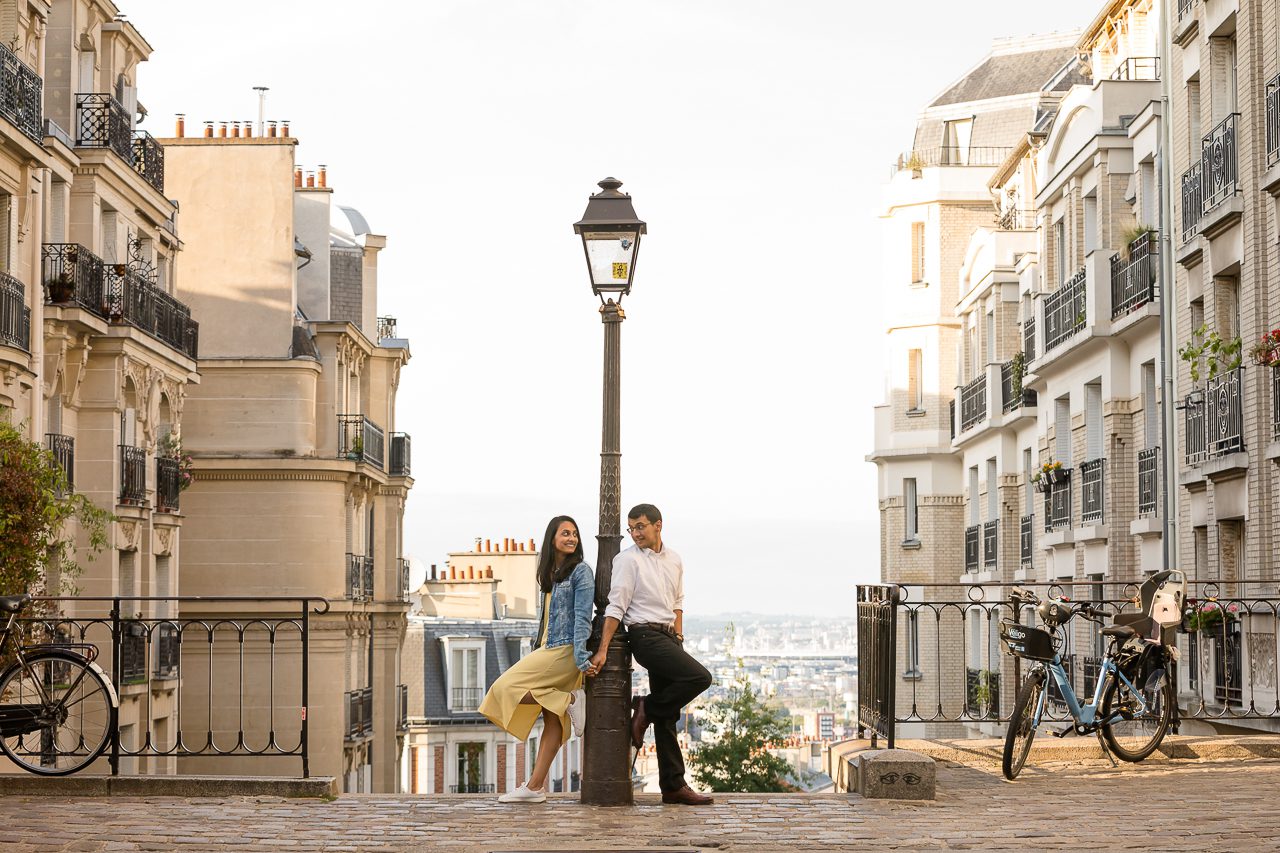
{"x": 1093, "y": 420}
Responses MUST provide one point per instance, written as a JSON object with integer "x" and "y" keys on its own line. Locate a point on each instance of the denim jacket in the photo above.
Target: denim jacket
{"x": 569, "y": 620}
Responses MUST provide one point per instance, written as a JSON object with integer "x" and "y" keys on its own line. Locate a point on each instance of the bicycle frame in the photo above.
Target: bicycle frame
{"x": 71, "y": 649}
{"x": 1084, "y": 715}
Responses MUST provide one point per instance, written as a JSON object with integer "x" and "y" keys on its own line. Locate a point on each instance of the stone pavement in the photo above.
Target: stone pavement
{"x": 1075, "y": 805}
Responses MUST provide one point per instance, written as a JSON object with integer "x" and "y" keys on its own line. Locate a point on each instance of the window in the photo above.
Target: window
{"x": 1093, "y": 420}
{"x": 993, "y": 494}
{"x": 1150, "y": 417}
{"x": 466, "y": 676}
{"x": 909, "y": 500}
{"x": 58, "y": 212}
{"x": 471, "y": 768}
{"x": 913, "y": 645}
{"x": 110, "y": 237}
{"x": 1226, "y": 306}
{"x": 6, "y": 232}
{"x": 917, "y": 252}
{"x": 1062, "y": 430}
{"x": 915, "y": 380}
{"x": 955, "y": 142}
{"x": 973, "y": 495}
{"x": 1027, "y": 462}
{"x": 128, "y": 574}
{"x": 971, "y": 341}
{"x": 991, "y": 348}
{"x": 1090, "y": 223}
{"x": 1194, "y": 133}
{"x": 1059, "y": 253}
{"x": 1200, "y": 536}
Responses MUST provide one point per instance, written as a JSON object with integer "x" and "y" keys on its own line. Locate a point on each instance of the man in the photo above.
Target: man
{"x": 647, "y": 596}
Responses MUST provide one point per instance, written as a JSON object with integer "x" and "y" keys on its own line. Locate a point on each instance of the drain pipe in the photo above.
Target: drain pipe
{"x": 1168, "y": 312}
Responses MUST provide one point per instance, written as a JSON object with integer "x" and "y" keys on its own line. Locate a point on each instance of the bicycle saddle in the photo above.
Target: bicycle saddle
{"x": 1122, "y": 632}
{"x": 13, "y": 603}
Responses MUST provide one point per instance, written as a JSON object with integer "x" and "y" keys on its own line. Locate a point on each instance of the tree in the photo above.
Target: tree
{"x": 739, "y": 760}
{"x": 37, "y": 555}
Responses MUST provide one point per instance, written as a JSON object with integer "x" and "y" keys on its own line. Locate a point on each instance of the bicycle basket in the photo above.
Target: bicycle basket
{"x": 1026, "y": 642}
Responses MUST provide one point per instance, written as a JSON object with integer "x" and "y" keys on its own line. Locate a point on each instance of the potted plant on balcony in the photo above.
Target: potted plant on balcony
{"x": 1266, "y": 352}
{"x": 1133, "y": 234}
{"x": 170, "y": 445}
{"x": 1051, "y": 473}
{"x": 1208, "y": 615}
{"x": 356, "y": 450}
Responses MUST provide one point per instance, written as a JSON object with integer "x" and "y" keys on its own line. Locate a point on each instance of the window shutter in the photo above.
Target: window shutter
{"x": 1150, "y": 417}
{"x": 1093, "y": 420}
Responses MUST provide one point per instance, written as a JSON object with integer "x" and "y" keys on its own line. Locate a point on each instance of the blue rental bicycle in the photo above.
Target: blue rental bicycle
{"x": 1133, "y": 702}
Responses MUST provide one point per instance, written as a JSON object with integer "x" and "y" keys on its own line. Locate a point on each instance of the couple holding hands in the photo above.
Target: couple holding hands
{"x": 647, "y": 598}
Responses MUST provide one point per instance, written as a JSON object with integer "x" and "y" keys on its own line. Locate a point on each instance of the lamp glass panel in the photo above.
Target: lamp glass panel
{"x": 611, "y": 256}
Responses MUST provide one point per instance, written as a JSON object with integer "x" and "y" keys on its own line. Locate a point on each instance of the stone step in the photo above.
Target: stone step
{"x": 27, "y": 784}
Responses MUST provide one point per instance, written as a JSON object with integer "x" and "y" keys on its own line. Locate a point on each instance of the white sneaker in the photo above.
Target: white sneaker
{"x": 578, "y": 711}
{"x": 524, "y": 794}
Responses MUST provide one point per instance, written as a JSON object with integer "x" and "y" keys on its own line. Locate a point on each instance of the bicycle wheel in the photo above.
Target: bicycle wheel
{"x": 1022, "y": 731}
{"x": 1140, "y": 730}
{"x": 56, "y": 714}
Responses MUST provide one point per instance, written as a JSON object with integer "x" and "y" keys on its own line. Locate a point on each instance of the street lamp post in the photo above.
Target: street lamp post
{"x": 610, "y": 234}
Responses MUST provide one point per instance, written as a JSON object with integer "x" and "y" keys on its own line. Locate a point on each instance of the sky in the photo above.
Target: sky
{"x": 754, "y": 137}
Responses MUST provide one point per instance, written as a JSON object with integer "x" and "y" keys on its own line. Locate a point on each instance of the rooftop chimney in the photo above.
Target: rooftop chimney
{"x": 182, "y": 126}
{"x": 297, "y": 176}
{"x": 208, "y": 130}
{"x": 284, "y": 127}
{"x": 271, "y": 128}
{"x": 323, "y": 175}
{"x": 311, "y": 179}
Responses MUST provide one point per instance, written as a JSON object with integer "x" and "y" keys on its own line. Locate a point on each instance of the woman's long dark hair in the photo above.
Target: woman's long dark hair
{"x": 549, "y": 573}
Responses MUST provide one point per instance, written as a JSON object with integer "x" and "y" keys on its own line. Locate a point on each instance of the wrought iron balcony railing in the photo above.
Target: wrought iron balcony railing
{"x": 1138, "y": 68}
{"x": 1273, "y": 120}
{"x": 1148, "y": 480}
{"x": 1065, "y": 311}
{"x": 1184, "y": 6}
{"x": 359, "y": 577}
{"x": 133, "y": 475}
{"x": 360, "y": 439}
{"x": 168, "y": 650}
{"x": 972, "y": 542}
{"x": 402, "y": 706}
{"x": 1057, "y": 503}
{"x": 1194, "y": 446}
{"x": 15, "y": 316}
{"x": 167, "y": 484}
{"x": 467, "y": 698}
{"x": 63, "y": 448}
{"x": 133, "y": 300}
{"x": 402, "y": 579}
{"x": 400, "y": 447}
{"x": 1011, "y": 390}
{"x": 103, "y": 122}
{"x": 1224, "y": 413}
{"x": 74, "y": 274}
{"x": 1093, "y": 491}
{"x": 1026, "y": 534}
{"x": 386, "y": 327}
{"x": 990, "y": 543}
{"x": 1192, "y": 201}
{"x": 1016, "y": 219}
{"x": 1275, "y": 403}
{"x": 21, "y": 95}
{"x": 1133, "y": 278}
{"x": 973, "y": 403}
{"x": 359, "y": 712}
{"x": 1218, "y": 166}
{"x": 951, "y": 155}
{"x": 951, "y": 416}
{"x": 1029, "y": 338}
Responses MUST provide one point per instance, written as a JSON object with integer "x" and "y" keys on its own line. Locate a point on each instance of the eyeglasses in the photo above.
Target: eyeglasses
{"x": 639, "y": 528}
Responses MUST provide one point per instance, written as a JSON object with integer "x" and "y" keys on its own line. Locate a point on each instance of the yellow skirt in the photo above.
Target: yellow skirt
{"x": 550, "y": 675}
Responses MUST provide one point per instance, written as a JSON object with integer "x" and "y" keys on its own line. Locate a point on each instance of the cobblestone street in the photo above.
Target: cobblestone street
{"x": 1164, "y": 806}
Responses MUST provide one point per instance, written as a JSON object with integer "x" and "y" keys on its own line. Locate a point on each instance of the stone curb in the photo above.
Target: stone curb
{"x": 166, "y": 786}
{"x": 1073, "y": 748}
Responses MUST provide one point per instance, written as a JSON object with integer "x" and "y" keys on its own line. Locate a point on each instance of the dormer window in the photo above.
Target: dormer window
{"x": 465, "y": 675}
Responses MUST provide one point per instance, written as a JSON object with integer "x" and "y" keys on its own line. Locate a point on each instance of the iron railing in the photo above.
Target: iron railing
{"x": 244, "y": 686}
{"x": 1029, "y": 338}
{"x": 74, "y": 274}
{"x": 1065, "y": 311}
{"x": 167, "y": 484}
{"x": 21, "y": 95}
{"x": 951, "y": 155}
{"x": 1194, "y": 445}
{"x": 15, "y": 316}
{"x": 1192, "y": 201}
{"x": 1011, "y": 390}
{"x": 148, "y": 159}
{"x": 400, "y": 447}
{"x": 1026, "y": 535}
{"x": 386, "y": 327}
{"x": 878, "y": 606}
{"x": 402, "y": 579}
{"x": 1227, "y": 669}
{"x": 1057, "y": 503}
{"x": 359, "y": 712}
{"x": 103, "y": 122}
{"x": 973, "y": 403}
{"x": 1138, "y": 68}
{"x": 1218, "y": 170}
{"x": 1275, "y": 403}
{"x": 1133, "y": 278}
{"x": 951, "y": 416}
{"x": 467, "y": 698}
{"x": 1093, "y": 491}
{"x": 359, "y": 577}
{"x": 133, "y": 475}
{"x": 132, "y": 300}
{"x": 990, "y": 546}
{"x": 1148, "y": 480}
{"x": 402, "y": 707}
{"x": 1224, "y": 413}
{"x": 972, "y": 545}
{"x": 1016, "y": 219}
{"x": 471, "y": 788}
{"x": 1184, "y": 6}
{"x": 360, "y": 439}
{"x": 63, "y": 448}
{"x": 1273, "y": 120}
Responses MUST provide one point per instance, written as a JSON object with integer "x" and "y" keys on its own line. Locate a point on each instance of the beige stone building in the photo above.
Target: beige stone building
{"x": 301, "y": 475}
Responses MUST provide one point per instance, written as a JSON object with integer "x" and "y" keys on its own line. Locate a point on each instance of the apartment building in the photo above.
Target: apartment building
{"x": 302, "y": 476}
{"x": 477, "y": 616}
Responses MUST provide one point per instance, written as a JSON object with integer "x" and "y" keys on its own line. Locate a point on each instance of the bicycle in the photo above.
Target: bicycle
{"x": 1133, "y": 700}
{"x": 58, "y": 709}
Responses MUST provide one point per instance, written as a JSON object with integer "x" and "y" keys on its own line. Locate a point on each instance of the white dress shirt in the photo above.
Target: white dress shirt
{"x": 647, "y": 586}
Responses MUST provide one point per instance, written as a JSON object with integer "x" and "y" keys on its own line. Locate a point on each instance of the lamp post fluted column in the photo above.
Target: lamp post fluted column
{"x": 606, "y": 780}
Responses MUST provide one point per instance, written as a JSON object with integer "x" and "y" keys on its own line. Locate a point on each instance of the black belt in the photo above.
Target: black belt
{"x": 654, "y": 626}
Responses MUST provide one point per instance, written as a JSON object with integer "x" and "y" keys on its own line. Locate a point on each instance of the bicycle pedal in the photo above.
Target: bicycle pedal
{"x": 1068, "y": 730}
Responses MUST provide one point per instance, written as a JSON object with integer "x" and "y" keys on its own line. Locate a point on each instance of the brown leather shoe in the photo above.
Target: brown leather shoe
{"x": 639, "y": 722}
{"x": 686, "y": 796}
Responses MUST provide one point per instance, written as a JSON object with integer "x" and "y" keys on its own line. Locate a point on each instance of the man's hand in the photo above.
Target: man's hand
{"x": 597, "y": 662}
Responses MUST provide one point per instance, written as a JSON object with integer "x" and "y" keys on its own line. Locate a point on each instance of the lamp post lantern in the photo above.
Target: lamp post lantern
{"x": 610, "y": 232}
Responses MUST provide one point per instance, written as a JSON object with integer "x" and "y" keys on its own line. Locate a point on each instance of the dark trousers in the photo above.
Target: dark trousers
{"x": 675, "y": 680}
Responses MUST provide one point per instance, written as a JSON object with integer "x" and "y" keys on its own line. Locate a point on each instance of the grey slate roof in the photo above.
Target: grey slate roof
{"x": 424, "y": 665}
{"x": 1004, "y": 74}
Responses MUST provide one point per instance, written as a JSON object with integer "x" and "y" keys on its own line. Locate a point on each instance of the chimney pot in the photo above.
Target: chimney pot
{"x": 453, "y": 573}
{"x": 297, "y": 176}
{"x": 182, "y": 126}
{"x": 248, "y": 130}
{"x": 471, "y": 572}
{"x": 271, "y": 128}
{"x": 433, "y": 571}
{"x": 208, "y": 129}
{"x": 532, "y": 547}
{"x": 324, "y": 177}
{"x": 222, "y": 130}
{"x": 284, "y": 127}
{"x": 311, "y": 179}
{"x": 486, "y": 546}
{"x": 488, "y": 571}
{"x": 235, "y": 130}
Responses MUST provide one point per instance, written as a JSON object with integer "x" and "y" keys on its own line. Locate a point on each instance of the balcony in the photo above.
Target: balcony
{"x": 1133, "y": 277}
{"x": 63, "y": 448}
{"x": 467, "y": 698}
{"x": 1218, "y": 171}
{"x": 102, "y": 122}
{"x": 1012, "y": 393}
{"x": 1026, "y": 533}
{"x": 1184, "y": 8}
{"x": 360, "y": 440}
{"x": 1093, "y": 488}
{"x": 471, "y": 788}
{"x": 359, "y": 712}
{"x": 973, "y": 403}
{"x": 359, "y": 577}
{"x": 1194, "y": 444}
{"x": 399, "y": 466}
{"x": 1148, "y": 481}
{"x": 1029, "y": 339}
{"x": 990, "y": 544}
{"x": 972, "y": 538}
{"x": 168, "y": 642}
{"x": 73, "y": 274}
{"x": 402, "y": 707}
{"x": 1138, "y": 68}
{"x": 402, "y": 579}
{"x": 134, "y": 301}
{"x": 15, "y": 316}
{"x": 386, "y": 328}
{"x": 1273, "y": 120}
{"x": 1016, "y": 219}
{"x": 950, "y": 155}
{"x": 1192, "y": 202}
{"x": 133, "y": 475}
{"x": 1275, "y": 403}
{"x": 21, "y": 94}
{"x": 1057, "y": 503}
{"x": 1065, "y": 311}
{"x": 167, "y": 484}
{"x": 133, "y": 652}
{"x": 1224, "y": 414}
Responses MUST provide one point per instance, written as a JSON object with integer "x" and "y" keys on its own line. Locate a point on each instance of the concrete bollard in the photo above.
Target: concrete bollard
{"x": 893, "y": 774}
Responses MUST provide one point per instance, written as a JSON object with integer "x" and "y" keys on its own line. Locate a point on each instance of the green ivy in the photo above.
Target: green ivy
{"x": 1209, "y": 354}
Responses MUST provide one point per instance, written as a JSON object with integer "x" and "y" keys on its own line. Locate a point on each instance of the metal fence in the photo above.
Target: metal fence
{"x": 103, "y": 122}
{"x": 950, "y": 155}
{"x": 400, "y": 455}
{"x": 1138, "y": 68}
{"x": 133, "y": 475}
{"x": 1133, "y": 276}
{"x": 973, "y": 403}
{"x": 877, "y": 660}
{"x": 1224, "y": 413}
{"x": 360, "y": 439}
{"x": 1218, "y": 170}
{"x": 972, "y": 542}
{"x": 1026, "y": 537}
{"x": 1194, "y": 422}
{"x": 21, "y": 95}
{"x": 1065, "y": 311}
{"x": 1275, "y": 403}
{"x": 1192, "y": 201}
{"x": 1273, "y": 120}
{"x": 15, "y": 316}
{"x": 359, "y": 577}
{"x": 1148, "y": 480}
{"x": 168, "y": 473}
{"x": 990, "y": 546}
{"x": 1057, "y": 503}
{"x": 1093, "y": 491}
{"x": 1013, "y": 395}
{"x": 63, "y": 448}
{"x": 209, "y": 686}
{"x": 1029, "y": 338}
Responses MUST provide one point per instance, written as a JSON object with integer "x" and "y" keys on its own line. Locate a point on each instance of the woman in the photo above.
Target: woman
{"x": 548, "y": 680}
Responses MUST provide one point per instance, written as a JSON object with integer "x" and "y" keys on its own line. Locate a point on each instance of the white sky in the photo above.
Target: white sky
{"x": 754, "y": 137}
